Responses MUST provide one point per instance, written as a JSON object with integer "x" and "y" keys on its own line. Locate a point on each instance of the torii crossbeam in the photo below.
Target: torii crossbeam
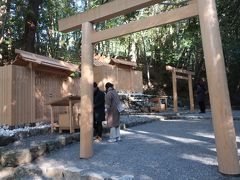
{"x": 217, "y": 82}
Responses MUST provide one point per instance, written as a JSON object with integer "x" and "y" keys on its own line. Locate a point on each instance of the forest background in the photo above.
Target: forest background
{"x": 32, "y": 25}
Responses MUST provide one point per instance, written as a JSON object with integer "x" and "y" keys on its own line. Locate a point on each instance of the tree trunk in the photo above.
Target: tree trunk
{"x": 146, "y": 63}
{"x": 31, "y": 25}
{"x": 5, "y": 9}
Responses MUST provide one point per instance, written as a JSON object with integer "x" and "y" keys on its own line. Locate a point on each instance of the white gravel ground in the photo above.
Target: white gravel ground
{"x": 181, "y": 148}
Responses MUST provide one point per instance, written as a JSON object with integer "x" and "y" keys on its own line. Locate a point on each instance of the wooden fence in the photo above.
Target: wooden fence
{"x": 124, "y": 79}
{"x": 24, "y": 93}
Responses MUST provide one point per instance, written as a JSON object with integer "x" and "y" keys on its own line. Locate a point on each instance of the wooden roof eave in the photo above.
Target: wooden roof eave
{"x": 42, "y": 63}
{"x": 123, "y": 62}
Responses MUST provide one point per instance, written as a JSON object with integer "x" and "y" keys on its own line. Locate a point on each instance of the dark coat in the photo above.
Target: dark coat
{"x": 201, "y": 91}
{"x": 99, "y": 105}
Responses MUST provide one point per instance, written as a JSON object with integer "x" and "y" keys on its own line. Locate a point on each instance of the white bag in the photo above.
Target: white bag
{"x": 120, "y": 107}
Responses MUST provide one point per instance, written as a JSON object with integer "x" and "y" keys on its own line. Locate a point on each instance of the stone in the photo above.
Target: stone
{"x": 72, "y": 173}
{"x": 54, "y": 172}
{"x": 85, "y": 174}
{"x": 37, "y": 151}
{"x": 62, "y": 140}
{"x": 5, "y": 140}
{"x": 27, "y": 170}
{"x": 7, "y": 173}
{"x": 76, "y": 137}
{"x": 13, "y": 158}
{"x": 51, "y": 145}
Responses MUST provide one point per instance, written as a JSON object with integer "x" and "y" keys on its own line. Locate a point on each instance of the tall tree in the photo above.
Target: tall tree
{"x": 31, "y": 21}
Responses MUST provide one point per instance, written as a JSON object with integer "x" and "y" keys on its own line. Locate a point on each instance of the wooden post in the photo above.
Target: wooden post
{"x": 174, "y": 84}
{"x": 166, "y": 101}
{"x": 190, "y": 88}
{"x": 52, "y": 119}
{"x": 218, "y": 89}
{"x": 70, "y": 110}
{"x": 86, "y": 129}
{"x": 32, "y": 94}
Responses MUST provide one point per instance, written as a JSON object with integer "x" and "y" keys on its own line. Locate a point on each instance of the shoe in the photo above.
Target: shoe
{"x": 97, "y": 141}
{"x": 118, "y": 139}
{"x": 112, "y": 140}
{"x": 99, "y": 138}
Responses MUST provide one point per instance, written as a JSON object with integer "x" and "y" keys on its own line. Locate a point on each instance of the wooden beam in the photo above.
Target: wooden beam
{"x": 103, "y": 12}
{"x": 181, "y": 77}
{"x": 147, "y": 23}
{"x": 224, "y": 131}
{"x": 182, "y": 71}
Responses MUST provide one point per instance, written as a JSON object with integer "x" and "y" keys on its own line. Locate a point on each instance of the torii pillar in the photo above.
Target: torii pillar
{"x": 86, "y": 127}
{"x": 218, "y": 89}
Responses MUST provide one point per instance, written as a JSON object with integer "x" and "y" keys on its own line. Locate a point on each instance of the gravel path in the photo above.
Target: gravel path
{"x": 178, "y": 149}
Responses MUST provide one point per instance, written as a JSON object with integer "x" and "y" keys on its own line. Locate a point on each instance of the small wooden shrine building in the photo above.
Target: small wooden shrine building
{"x": 29, "y": 83}
{"x": 119, "y": 72}
{"x": 32, "y": 81}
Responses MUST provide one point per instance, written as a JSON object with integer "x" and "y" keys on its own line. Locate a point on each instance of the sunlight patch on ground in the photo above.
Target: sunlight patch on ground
{"x": 213, "y": 149}
{"x": 145, "y": 177}
{"x": 206, "y": 135}
{"x": 201, "y": 159}
{"x": 122, "y": 132}
{"x": 157, "y": 141}
{"x": 142, "y": 132}
{"x": 50, "y": 163}
{"x": 184, "y": 140}
{"x": 237, "y": 138}
{"x": 148, "y": 137}
{"x": 174, "y": 120}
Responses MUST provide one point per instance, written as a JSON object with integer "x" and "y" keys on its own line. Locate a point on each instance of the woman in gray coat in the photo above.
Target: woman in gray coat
{"x": 111, "y": 112}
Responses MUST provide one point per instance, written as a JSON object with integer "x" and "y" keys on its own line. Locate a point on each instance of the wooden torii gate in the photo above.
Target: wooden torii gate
{"x": 219, "y": 95}
{"x": 181, "y": 74}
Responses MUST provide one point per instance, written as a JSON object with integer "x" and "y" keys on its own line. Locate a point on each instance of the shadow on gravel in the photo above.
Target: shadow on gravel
{"x": 169, "y": 149}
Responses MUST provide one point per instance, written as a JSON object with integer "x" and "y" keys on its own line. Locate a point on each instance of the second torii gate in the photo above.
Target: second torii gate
{"x": 184, "y": 74}
{"x": 219, "y": 96}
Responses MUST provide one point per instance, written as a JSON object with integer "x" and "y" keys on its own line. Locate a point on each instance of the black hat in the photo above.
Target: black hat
{"x": 108, "y": 85}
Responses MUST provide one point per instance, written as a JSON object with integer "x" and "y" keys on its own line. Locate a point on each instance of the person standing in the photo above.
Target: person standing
{"x": 112, "y": 114}
{"x": 99, "y": 111}
{"x": 201, "y": 92}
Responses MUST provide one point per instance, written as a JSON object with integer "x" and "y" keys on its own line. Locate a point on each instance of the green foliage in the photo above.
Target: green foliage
{"x": 178, "y": 44}
{"x": 228, "y": 12}
{"x": 49, "y": 41}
